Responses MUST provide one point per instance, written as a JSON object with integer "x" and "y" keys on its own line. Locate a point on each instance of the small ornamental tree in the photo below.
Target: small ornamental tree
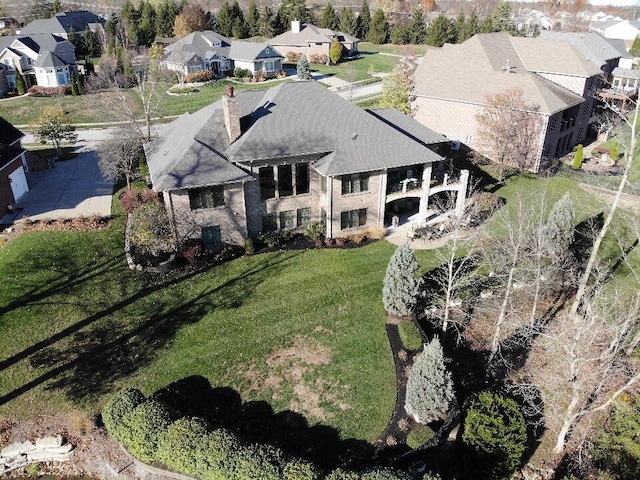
{"x": 560, "y": 227}
{"x": 53, "y": 126}
{"x": 400, "y": 283}
{"x": 578, "y": 159}
{"x": 303, "y": 68}
{"x": 20, "y": 83}
{"x": 335, "y": 51}
{"x": 496, "y": 430}
{"x": 429, "y": 387}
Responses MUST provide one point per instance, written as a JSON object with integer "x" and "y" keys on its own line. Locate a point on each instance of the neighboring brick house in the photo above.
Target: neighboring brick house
{"x": 43, "y": 59}
{"x": 13, "y": 181}
{"x": 310, "y": 40}
{"x": 208, "y": 50}
{"x": 453, "y": 83}
{"x": 295, "y": 154}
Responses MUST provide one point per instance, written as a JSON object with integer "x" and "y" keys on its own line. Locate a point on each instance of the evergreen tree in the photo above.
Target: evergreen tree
{"x": 495, "y": 429}
{"x": 417, "y": 29}
{"x": 472, "y": 26}
{"x": 130, "y": 19}
{"x": 379, "y": 28}
{"x": 239, "y": 28}
{"x": 335, "y": 51}
{"x": 56, "y": 7}
{"x": 429, "y": 386}
{"x": 165, "y": 17}
{"x": 348, "y": 22}
{"x": 329, "y": 18}
{"x": 292, "y": 10}
{"x": 110, "y": 28}
{"x": 21, "y": 85}
{"x": 78, "y": 42}
{"x": 399, "y": 34}
{"x": 400, "y": 283}
{"x": 212, "y": 22}
{"x": 440, "y": 32}
{"x": 91, "y": 43}
{"x": 560, "y": 228}
{"x": 503, "y": 18}
{"x": 147, "y": 26}
{"x": 74, "y": 84}
{"x": 460, "y": 27}
{"x": 635, "y": 48}
{"x": 364, "y": 20}
{"x": 267, "y": 23}
{"x": 303, "y": 68}
{"x": 225, "y": 19}
{"x": 253, "y": 20}
{"x": 486, "y": 25}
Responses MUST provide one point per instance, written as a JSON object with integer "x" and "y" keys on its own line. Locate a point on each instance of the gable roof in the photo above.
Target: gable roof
{"x": 62, "y": 23}
{"x": 290, "y": 120}
{"x": 592, "y": 45}
{"x": 9, "y": 133}
{"x": 490, "y": 63}
{"x": 310, "y": 34}
{"x": 197, "y": 43}
{"x": 304, "y": 118}
{"x": 41, "y": 43}
{"x": 251, "y": 51}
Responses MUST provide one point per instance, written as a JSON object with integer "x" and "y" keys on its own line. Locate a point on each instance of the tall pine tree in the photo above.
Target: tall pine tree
{"x": 348, "y": 22}
{"x": 364, "y": 20}
{"x": 253, "y": 19}
{"x": 329, "y": 18}
{"x": 379, "y": 28}
{"x": 417, "y": 29}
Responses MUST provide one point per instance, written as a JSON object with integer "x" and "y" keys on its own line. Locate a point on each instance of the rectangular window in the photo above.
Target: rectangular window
{"x": 287, "y": 220}
{"x": 267, "y": 183}
{"x": 553, "y": 123}
{"x": 269, "y": 222}
{"x": 302, "y": 178}
{"x": 207, "y": 197}
{"x": 355, "y": 183}
{"x": 285, "y": 181}
{"x": 304, "y": 217}
{"x": 353, "y": 218}
{"x": 211, "y": 236}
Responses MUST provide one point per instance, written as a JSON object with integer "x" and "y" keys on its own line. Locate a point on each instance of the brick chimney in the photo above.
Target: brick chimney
{"x": 231, "y": 114}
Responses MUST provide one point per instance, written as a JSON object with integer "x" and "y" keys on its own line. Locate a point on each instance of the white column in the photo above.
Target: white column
{"x": 424, "y": 198}
{"x": 382, "y": 206}
{"x": 462, "y": 192}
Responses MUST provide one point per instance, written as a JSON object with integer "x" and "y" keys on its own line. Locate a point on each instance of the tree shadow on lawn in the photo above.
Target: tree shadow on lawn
{"x": 94, "y": 359}
{"x": 257, "y": 422}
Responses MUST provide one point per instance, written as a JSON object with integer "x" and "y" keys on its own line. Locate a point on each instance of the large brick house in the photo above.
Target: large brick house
{"x": 295, "y": 154}
{"x": 453, "y": 84}
{"x": 309, "y": 39}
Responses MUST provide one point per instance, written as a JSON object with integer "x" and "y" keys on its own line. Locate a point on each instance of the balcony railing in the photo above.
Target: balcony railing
{"x": 404, "y": 185}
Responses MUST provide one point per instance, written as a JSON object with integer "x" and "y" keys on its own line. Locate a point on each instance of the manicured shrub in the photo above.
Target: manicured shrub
{"x": 121, "y": 405}
{"x": 240, "y": 72}
{"x": 130, "y": 200}
{"x": 39, "y": 91}
{"x": 299, "y": 470}
{"x": 429, "y": 387}
{"x": 144, "y": 427}
{"x": 496, "y": 430}
{"x": 197, "y": 77}
{"x": 214, "y": 458}
{"x": 335, "y": 51}
{"x": 400, "y": 283}
{"x": 386, "y": 474}
{"x": 314, "y": 230}
{"x": 318, "y": 58}
{"x": 249, "y": 248}
{"x": 150, "y": 229}
{"x": 262, "y": 462}
{"x": 578, "y": 158}
{"x": 303, "y": 69}
{"x": 177, "y": 447}
{"x": 294, "y": 57}
{"x": 340, "y": 474}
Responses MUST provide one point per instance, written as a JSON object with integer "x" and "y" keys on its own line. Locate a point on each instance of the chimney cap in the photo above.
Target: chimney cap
{"x": 230, "y": 91}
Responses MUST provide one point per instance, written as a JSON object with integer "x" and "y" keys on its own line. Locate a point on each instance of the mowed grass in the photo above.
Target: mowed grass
{"x": 76, "y": 325}
{"x": 391, "y": 48}
{"x": 360, "y": 68}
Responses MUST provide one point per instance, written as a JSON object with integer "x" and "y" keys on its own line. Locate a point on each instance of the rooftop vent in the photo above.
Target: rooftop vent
{"x": 507, "y": 68}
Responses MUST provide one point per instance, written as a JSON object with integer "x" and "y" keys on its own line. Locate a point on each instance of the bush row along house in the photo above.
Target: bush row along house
{"x": 452, "y": 86}
{"x": 13, "y": 164}
{"x": 208, "y": 50}
{"x": 292, "y": 155}
{"x": 308, "y": 39}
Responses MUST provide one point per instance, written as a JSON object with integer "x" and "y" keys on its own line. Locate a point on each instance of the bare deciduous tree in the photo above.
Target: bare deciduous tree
{"x": 120, "y": 155}
{"x": 509, "y": 130}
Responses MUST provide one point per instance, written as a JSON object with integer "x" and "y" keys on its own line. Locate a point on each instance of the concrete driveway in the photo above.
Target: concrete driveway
{"x": 73, "y": 188}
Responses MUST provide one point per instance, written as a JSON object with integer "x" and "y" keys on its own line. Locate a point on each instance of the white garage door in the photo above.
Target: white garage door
{"x": 18, "y": 183}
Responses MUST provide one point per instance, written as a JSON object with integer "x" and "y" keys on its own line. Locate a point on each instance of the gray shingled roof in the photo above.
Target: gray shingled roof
{"x": 626, "y": 73}
{"x": 196, "y": 43}
{"x": 63, "y": 22}
{"x": 49, "y": 60}
{"x": 47, "y": 42}
{"x": 408, "y": 126}
{"x": 310, "y": 34}
{"x": 490, "y": 63}
{"x": 592, "y": 45}
{"x": 304, "y": 118}
{"x": 251, "y": 51}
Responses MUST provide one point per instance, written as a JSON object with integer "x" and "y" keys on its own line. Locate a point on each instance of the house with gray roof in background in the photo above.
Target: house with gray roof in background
{"x": 453, "y": 84}
{"x": 308, "y": 39}
{"x": 43, "y": 59}
{"x": 297, "y": 153}
{"x": 208, "y": 50}
{"x": 62, "y": 23}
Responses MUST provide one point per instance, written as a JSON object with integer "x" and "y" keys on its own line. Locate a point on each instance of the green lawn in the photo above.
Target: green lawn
{"x": 361, "y": 68}
{"x": 394, "y": 49}
{"x": 76, "y": 324}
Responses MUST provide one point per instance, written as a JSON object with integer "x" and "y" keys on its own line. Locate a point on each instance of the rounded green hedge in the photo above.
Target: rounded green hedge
{"x": 144, "y": 427}
{"x": 117, "y": 408}
{"x": 177, "y": 446}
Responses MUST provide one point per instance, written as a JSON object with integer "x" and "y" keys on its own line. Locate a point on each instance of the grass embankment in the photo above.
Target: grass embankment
{"x": 76, "y": 325}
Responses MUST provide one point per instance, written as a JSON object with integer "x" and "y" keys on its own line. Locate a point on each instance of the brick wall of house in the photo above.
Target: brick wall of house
{"x": 308, "y": 50}
{"x": 371, "y": 200}
{"x": 231, "y": 217}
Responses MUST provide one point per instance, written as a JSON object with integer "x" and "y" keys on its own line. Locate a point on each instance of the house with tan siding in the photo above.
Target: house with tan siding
{"x": 297, "y": 153}
{"x": 453, "y": 83}
{"x": 308, "y": 39}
